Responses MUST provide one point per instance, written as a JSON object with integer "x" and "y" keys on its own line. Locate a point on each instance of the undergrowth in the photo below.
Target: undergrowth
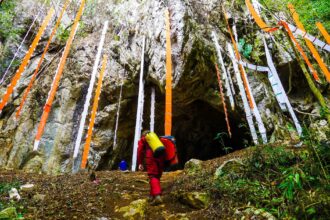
{"x": 290, "y": 183}
{"x": 286, "y": 181}
{"x": 5, "y": 202}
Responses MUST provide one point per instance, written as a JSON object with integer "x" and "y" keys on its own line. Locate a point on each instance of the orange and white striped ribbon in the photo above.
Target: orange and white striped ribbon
{"x": 295, "y": 30}
{"x": 93, "y": 113}
{"x": 238, "y": 57}
{"x": 42, "y": 58}
{"x": 309, "y": 44}
{"x": 18, "y": 74}
{"x": 300, "y": 49}
{"x": 168, "y": 86}
{"x": 90, "y": 90}
{"x": 56, "y": 81}
{"x": 223, "y": 100}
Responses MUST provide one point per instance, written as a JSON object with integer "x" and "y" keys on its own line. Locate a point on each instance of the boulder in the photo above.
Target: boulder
{"x": 8, "y": 213}
{"x": 198, "y": 200}
{"x": 27, "y": 187}
{"x": 320, "y": 130}
{"x": 231, "y": 167}
{"x": 13, "y": 194}
{"x": 34, "y": 165}
{"x": 135, "y": 210}
{"x": 253, "y": 213}
{"x": 39, "y": 197}
{"x": 193, "y": 166}
{"x": 180, "y": 216}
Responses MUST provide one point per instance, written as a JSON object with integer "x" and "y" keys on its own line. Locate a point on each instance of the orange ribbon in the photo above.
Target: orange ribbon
{"x": 300, "y": 49}
{"x": 42, "y": 59}
{"x": 223, "y": 100}
{"x": 168, "y": 86}
{"x": 310, "y": 45}
{"x": 238, "y": 57}
{"x": 257, "y": 18}
{"x": 26, "y": 59}
{"x": 323, "y": 32}
{"x": 93, "y": 114}
{"x": 58, "y": 75}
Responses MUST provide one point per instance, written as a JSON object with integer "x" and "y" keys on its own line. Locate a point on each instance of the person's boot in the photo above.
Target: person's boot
{"x": 157, "y": 200}
{"x": 150, "y": 199}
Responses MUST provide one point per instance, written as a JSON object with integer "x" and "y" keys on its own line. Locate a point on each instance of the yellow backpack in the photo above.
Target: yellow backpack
{"x": 155, "y": 144}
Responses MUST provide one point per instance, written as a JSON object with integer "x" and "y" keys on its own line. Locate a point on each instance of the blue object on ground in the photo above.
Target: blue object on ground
{"x": 123, "y": 166}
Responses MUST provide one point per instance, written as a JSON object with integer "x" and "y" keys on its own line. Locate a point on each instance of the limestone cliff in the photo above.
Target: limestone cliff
{"x": 198, "y": 114}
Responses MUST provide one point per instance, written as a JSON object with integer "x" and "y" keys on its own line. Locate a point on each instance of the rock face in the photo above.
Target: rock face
{"x": 197, "y": 115}
{"x": 193, "y": 166}
{"x": 196, "y": 200}
{"x": 135, "y": 210}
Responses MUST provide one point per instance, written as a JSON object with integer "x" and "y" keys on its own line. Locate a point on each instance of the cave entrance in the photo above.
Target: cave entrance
{"x": 196, "y": 126}
{"x": 196, "y": 131}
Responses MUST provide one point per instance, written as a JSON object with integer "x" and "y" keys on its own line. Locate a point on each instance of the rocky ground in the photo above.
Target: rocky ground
{"x": 118, "y": 195}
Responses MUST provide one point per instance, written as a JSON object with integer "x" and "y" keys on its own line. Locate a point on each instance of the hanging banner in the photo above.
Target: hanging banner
{"x": 139, "y": 111}
{"x": 246, "y": 106}
{"x": 309, "y": 44}
{"x": 257, "y": 18}
{"x": 223, "y": 99}
{"x": 254, "y": 67}
{"x": 225, "y": 74}
{"x": 152, "y": 109}
{"x": 301, "y": 51}
{"x": 323, "y": 32}
{"x": 168, "y": 86}
{"x": 314, "y": 40}
{"x": 255, "y": 110}
{"x": 117, "y": 115}
{"x": 295, "y": 30}
{"x": 18, "y": 74}
{"x": 238, "y": 57}
{"x": 42, "y": 58}
{"x": 93, "y": 114}
{"x": 56, "y": 81}
{"x": 90, "y": 90}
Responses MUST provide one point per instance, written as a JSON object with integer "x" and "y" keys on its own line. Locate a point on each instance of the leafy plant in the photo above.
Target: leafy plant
{"x": 7, "y": 15}
{"x": 290, "y": 184}
{"x": 220, "y": 138}
{"x": 63, "y": 33}
{"x": 5, "y": 187}
{"x": 244, "y": 48}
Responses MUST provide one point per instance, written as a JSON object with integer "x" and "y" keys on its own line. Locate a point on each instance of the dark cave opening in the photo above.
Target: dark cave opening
{"x": 197, "y": 130}
{"x": 196, "y": 126}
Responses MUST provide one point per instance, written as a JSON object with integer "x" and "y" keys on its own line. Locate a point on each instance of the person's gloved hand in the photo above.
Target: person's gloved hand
{"x": 141, "y": 168}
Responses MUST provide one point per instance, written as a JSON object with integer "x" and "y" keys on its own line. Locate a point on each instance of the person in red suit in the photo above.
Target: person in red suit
{"x": 154, "y": 167}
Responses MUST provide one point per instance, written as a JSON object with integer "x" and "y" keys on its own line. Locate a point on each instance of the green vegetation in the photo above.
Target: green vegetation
{"x": 310, "y": 11}
{"x": 288, "y": 183}
{"x": 63, "y": 33}
{"x": 4, "y": 190}
{"x": 7, "y": 15}
{"x": 244, "y": 48}
{"x": 7, "y": 31}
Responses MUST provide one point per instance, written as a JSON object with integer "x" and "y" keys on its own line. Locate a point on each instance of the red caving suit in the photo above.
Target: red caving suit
{"x": 154, "y": 166}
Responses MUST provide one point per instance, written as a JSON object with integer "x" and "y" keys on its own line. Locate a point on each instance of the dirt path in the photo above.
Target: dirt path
{"x": 76, "y": 197}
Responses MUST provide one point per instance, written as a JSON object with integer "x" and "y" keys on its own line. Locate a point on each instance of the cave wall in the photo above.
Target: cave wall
{"x": 197, "y": 111}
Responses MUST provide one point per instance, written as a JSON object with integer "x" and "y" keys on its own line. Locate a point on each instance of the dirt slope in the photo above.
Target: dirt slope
{"x": 76, "y": 197}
